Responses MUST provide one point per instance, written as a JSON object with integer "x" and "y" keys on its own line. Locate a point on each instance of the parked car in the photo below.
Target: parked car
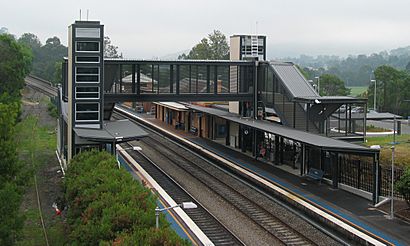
{"x": 342, "y": 109}
{"x": 357, "y": 110}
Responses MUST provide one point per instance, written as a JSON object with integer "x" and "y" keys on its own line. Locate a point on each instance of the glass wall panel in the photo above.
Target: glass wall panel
{"x": 164, "y": 73}
{"x": 185, "y": 80}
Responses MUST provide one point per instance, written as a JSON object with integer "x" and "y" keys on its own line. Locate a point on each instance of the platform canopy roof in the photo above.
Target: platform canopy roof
{"x": 301, "y": 90}
{"x": 173, "y": 105}
{"x": 113, "y": 131}
{"x": 325, "y": 143}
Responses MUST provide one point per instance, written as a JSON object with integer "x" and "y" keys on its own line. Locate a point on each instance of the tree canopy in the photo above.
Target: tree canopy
{"x": 15, "y": 63}
{"x": 331, "y": 85}
{"x": 45, "y": 56}
{"x": 213, "y": 47}
{"x": 393, "y": 87}
{"x": 110, "y": 50}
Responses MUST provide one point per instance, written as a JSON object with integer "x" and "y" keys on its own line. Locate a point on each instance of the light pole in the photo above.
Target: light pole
{"x": 184, "y": 205}
{"x": 375, "y": 91}
{"x": 392, "y": 183}
{"x": 318, "y": 84}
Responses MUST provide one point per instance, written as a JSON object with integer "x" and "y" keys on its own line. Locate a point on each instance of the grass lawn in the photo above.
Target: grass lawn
{"x": 357, "y": 90}
{"x": 36, "y": 145}
{"x": 402, "y": 157}
{"x": 372, "y": 128}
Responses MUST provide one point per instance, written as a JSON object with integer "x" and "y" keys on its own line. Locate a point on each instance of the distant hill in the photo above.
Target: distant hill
{"x": 355, "y": 70}
{"x": 174, "y": 56}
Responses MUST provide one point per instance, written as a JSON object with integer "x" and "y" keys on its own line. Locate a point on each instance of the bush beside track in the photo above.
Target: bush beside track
{"x": 107, "y": 206}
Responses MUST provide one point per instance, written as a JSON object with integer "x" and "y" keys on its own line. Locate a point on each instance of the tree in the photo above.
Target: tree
{"x": 110, "y": 50}
{"x": 331, "y": 85}
{"x": 408, "y": 67}
{"x": 388, "y": 91}
{"x": 9, "y": 166}
{"x": 4, "y": 30}
{"x": 44, "y": 56}
{"x": 54, "y": 41}
{"x": 214, "y": 47}
{"x": 15, "y": 64}
{"x": 30, "y": 40}
{"x": 15, "y": 61}
{"x": 11, "y": 220}
{"x": 403, "y": 185}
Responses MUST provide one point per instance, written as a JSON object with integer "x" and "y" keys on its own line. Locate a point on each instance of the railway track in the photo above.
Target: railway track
{"x": 199, "y": 169}
{"x": 41, "y": 85}
{"x": 273, "y": 225}
{"x": 211, "y": 226}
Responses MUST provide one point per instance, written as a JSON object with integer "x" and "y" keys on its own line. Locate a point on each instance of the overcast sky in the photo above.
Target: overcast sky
{"x": 156, "y": 28}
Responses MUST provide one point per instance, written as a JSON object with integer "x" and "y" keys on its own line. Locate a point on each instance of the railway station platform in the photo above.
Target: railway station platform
{"x": 353, "y": 208}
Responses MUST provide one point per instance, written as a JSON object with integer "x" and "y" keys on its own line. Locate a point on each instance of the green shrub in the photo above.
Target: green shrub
{"x": 52, "y": 109}
{"x": 403, "y": 185}
{"x": 107, "y": 205}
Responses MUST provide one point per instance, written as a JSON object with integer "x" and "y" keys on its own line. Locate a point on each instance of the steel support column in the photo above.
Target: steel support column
{"x": 334, "y": 162}
{"x": 133, "y": 78}
{"x": 277, "y": 150}
{"x": 294, "y": 114}
{"x": 138, "y": 80}
{"x": 376, "y": 181}
{"x": 281, "y": 150}
{"x": 255, "y": 91}
{"x": 303, "y": 164}
{"x": 171, "y": 79}
{"x": 120, "y": 78}
{"x": 254, "y": 142}
{"x": 307, "y": 116}
{"x": 215, "y": 79}
{"x": 227, "y": 131}
{"x": 177, "y": 79}
{"x": 208, "y": 79}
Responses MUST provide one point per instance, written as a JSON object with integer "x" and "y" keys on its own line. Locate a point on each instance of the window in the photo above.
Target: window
{"x": 87, "y": 32}
{"x": 87, "y": 70}
{"x": 85, "y": 107}
{"x": 87, "y": 59}
{"x": 87, "y": 74}
{"x": 87, "y": 112}
{"x": 87, "y": 78}
{"x": 87, "y": 92}
{"x": 88, "y": 46}
{"x": 87, "y": 116}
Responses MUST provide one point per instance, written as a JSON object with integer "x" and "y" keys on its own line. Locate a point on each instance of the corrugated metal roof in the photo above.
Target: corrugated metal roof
{"x": 118, "y": 131}
{"x": 300, "y": 136}
{"x": 293, "y": 80}
{"x": 173, "y": 105}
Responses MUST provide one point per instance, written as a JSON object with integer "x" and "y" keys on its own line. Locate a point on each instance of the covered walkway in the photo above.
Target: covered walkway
{"x": 343, "y": 163}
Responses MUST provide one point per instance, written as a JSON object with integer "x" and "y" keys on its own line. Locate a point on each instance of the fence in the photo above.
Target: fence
{"x": 359, "y": 174}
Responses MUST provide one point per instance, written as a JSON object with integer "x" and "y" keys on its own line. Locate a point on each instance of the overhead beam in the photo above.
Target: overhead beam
{"x": 130, "y": 97}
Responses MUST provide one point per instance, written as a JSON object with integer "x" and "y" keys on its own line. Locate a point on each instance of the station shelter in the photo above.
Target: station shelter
{"x": 345, "y": 165}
